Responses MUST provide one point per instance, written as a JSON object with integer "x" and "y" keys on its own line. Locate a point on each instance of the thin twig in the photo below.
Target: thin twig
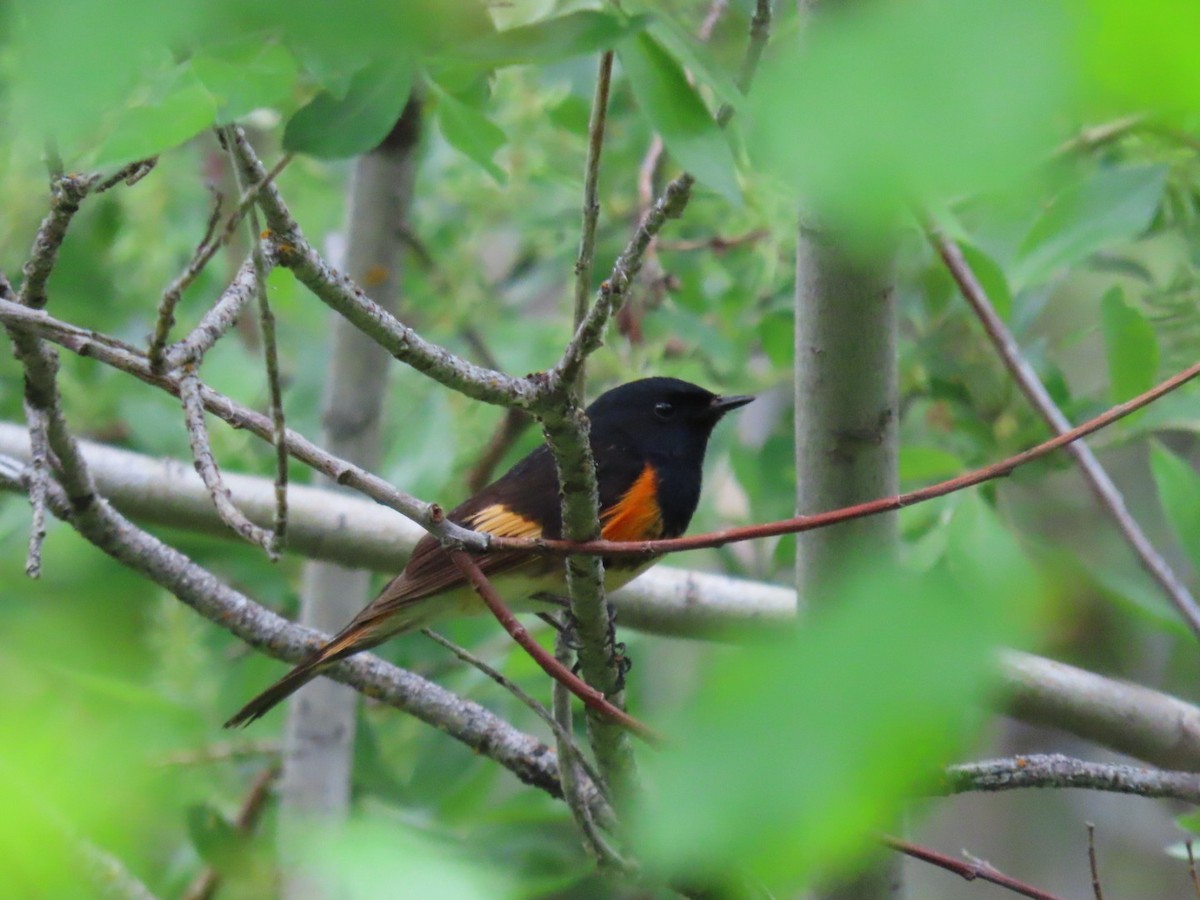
{"x": 715, "y": 10}
{"x": 340, "y": 293}
{"x": 206, "y": 466}
{"x": 1094, "y": 136}
{"x": 130, "y": 174}
{"x": 220, "y": 318}
{"x": 1192, "y": 867}
{"x": 39, "y": 469}
{"x": 164, "y": 320}
{"x": 205, "y": 251}
{"x": 1093, "y": 472}
{"x": 871, "y": 508}
{"x": 66, "y": 194}
{"x": 970, "y": 870}
{"x": 629, "y": 318}
{"x": 133, "y": 361}
{"x": 760, "y": 32}
{"x": 1096, "y": 889}
{"x": 266, "y": 321}
{"x": 1054, "y": 770}
{"x": 528, "y": 758}
{"x": 569, "y": 756}
{"x": 591, "y": 197}
{"x": 111, "y": 353}
{"x": 592, "y": 698}
{"x": 513, "y": 688}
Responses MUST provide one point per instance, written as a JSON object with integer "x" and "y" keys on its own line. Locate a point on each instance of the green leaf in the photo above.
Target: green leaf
{"x": 334, "y": 128}
{"x": 179, "y": 108}
{"x": 694, "y": 56}
{"x": 678, "y": 114}
{"x": 470, "y": 132}
{"x": 246, "y": 76}
{"x": 991, "y": 278}
{"x": 924, "y": 464}
{"x": 1179, "y": 493}
{"x": 1132, "y": 347}
{"x": 1110, "y": 206}
{"x": 791, "y": 756}
{"x": 860, "y": 113}
{"x": 551, "y": 40}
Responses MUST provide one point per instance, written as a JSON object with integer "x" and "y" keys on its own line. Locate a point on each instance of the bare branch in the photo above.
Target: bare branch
{"x": 1054, "y": 770}
{"x": 1135, "y": 720}
{"x": 219, "y": 319}
{"x": 266, "y": 320}
{"x": 592, "y": 698}
{"x": 1091, "y": 832}
{"x": 1093, "y": 473}
{"x": 569, "y": 757}
{"x": 1192, "y": 867}
{"x": 206, "y": 466}
{"x": 340, "y": 293}
{"x": 39, "y": 469}
{"x": 130, "y": 174}
{"x": 970, "y": 870}
{"x": 529, "y": 759}
{"x": 131, "y": 360}
{"x": 164, "y": 320}
{"x": 205, "y": 251}
{"x": 66, "y": 193}
{"x": 513, "y": 688}
{"x": 591, "y": 199}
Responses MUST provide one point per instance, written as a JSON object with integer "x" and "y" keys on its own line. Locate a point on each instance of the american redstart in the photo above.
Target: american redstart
{"x": 648, "y": 439}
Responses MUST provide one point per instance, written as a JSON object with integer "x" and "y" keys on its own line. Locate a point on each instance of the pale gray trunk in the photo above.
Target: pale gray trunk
{"x": 846, "y": 444}
{"x": 318, "y": 747}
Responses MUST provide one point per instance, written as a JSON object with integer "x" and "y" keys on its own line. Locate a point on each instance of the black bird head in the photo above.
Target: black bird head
{"x": 665, "y": 422}
{"x": 665, "y": 415}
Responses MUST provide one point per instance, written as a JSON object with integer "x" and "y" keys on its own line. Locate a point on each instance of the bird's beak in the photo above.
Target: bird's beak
{"x": 722, "y": 405}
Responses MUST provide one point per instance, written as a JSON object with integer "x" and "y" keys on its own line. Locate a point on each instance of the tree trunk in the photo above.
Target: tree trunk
{"x": 846, "y": 444}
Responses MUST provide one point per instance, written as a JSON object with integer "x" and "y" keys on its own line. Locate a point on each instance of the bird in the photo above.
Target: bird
{"x": 648, "y": 438}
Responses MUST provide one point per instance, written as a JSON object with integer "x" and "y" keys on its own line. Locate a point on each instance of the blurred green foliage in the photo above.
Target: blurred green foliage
{"x": 787, "y": 754}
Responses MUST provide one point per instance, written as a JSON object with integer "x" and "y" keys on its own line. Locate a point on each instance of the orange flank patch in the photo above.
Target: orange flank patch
{"x": 501, "y": 521}
{"x": 636, "y": 516}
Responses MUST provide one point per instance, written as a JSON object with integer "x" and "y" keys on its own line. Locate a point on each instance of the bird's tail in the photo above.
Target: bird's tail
{"x": 350, "y": 641}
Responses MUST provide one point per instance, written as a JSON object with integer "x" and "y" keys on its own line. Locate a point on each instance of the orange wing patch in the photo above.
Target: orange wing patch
{"x": 501, "y": 521}
{"x": 636, "y": 516}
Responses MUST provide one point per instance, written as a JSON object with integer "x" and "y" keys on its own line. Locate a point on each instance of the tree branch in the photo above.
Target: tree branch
{"x": 1054, "y": 770}
{"x": 468, "y": 722}
{"x": 970, "y": 870}
{"x": 1097, "y": 478}
{"x": 799, "y": 524}
{"x": 210, "y": 474}
{"x": 592, "y": 698}
{"x": 340, "y": 293}
{"x": 132, "y": 361}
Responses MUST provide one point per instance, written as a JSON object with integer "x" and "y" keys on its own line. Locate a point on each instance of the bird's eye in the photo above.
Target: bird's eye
{"x": 664, "y": 410}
